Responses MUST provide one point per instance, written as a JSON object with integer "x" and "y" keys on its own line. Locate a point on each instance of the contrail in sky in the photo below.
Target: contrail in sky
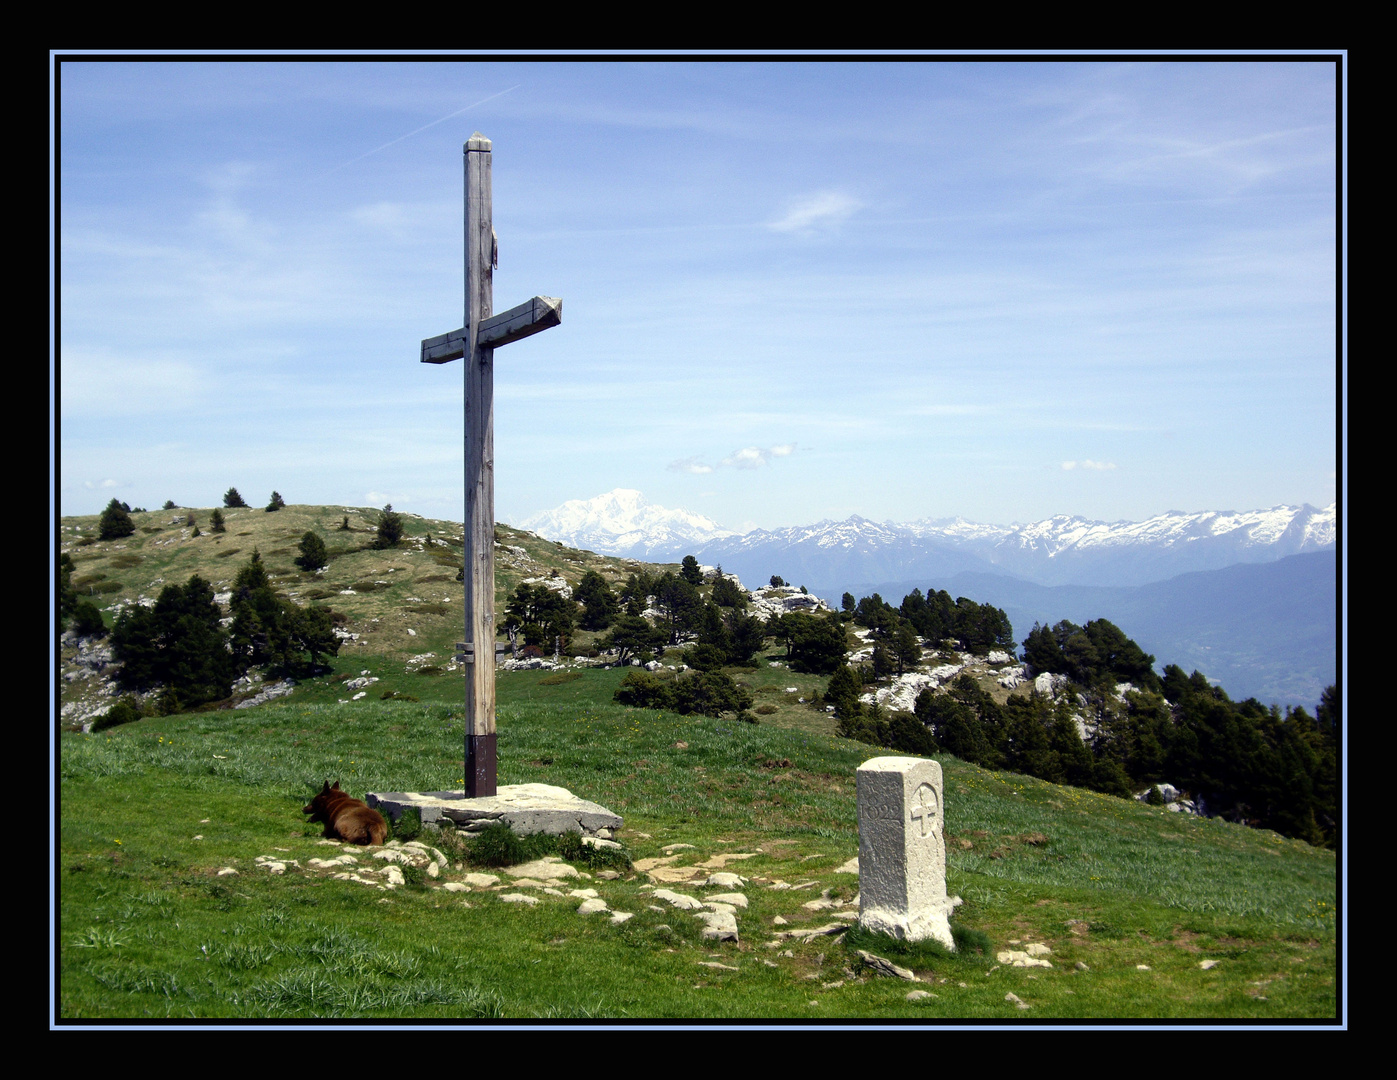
{"x": 423, "y": 128}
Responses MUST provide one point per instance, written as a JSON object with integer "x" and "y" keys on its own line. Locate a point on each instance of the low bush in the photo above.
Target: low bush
{"x": 499, "y": 845}
{"x": 408, "y": 825}
{"x": 123, "y": 712}
{"x": 573, "y": 848}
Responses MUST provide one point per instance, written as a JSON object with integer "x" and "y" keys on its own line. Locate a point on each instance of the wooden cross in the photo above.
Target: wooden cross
{"x": 477, "y": 340}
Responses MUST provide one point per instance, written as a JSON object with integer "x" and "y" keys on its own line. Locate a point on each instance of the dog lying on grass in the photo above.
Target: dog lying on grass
{"x": 346, "y": 818}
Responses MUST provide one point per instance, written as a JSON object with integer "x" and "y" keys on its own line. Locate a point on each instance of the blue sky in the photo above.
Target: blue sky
{"x": 791, "y": 291}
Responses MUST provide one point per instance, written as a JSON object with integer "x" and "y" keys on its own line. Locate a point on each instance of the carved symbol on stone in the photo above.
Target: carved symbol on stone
{"x": 924, "y": 809}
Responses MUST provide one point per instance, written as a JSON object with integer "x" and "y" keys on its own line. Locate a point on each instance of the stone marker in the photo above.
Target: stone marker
{"x": 902, "y": 850}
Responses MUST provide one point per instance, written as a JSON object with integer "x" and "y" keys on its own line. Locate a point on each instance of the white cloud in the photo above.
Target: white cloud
{"x": 823, "y": 210}
{"x": 1088, "y": 464}
{"x": 749, "y": 457}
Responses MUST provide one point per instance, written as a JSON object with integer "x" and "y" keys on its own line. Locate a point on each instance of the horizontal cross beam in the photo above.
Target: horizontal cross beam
{"x": 518, "y": 322}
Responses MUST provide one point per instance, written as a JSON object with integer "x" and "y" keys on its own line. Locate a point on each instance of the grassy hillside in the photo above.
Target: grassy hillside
{"x": 166, "y": 910}
{"x": 152, "y": 812}
{"x": 404, "y": 604}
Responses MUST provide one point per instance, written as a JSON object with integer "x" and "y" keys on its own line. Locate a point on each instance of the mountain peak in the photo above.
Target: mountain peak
{"x": 622, "y": 520}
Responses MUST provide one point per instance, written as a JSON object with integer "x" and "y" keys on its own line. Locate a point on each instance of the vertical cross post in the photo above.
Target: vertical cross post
{"x": 480, "y": 474}
{"x": 475, "y": 344}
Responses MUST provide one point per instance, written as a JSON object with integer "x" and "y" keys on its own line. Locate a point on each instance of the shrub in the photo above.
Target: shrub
{"x": 409, "y": 824}
{"x": 116, "y": 522}
{"x": 170, "y": 504}
{"x": 573, "y": 848}
{"x": 641, "y": 690}
{"x": 276, "y": 502}
{"x": 497, "y": 845}
{"x": 344, "y": 525}
{"x": 87, "y": 620}
{"x": 123, "y": 712}
{"x": 231, "y": 498}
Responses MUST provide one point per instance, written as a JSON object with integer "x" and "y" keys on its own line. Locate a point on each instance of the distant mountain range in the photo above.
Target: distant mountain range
{"x": 1247, "y": 598}
{"x": 1061, "y": 550}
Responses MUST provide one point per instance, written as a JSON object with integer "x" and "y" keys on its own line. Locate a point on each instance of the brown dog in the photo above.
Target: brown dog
{"x": 346, "y": 818}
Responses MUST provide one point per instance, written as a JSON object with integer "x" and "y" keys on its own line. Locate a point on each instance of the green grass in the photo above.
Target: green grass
{"x": 151, "y": 811}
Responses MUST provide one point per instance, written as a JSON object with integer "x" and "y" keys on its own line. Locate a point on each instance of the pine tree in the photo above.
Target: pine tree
{"x": 390, "y": 528}
{"x": 689, "y": 570}
{"x": 231, "y": 498}
{"x": 314, "y": 554}
{"x": 276, "y": 503}
{"x": 216, "y": 521}
{"x": 116, "y": 522}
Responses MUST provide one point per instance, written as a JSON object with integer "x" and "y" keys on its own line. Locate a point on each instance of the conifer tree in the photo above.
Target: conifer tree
{"x": 116, "y": 522}
{"x": 390, "y": 528}
{"x": 314, "y": 554}
{"x": 232, "y": 499}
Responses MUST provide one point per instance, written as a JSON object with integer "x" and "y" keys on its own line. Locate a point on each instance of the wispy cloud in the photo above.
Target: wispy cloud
{"x": 822, "y": 211}
{"x": 1088, "y": 464}
{"x": 689, "y": 465}
{"x": 749, "y": 457}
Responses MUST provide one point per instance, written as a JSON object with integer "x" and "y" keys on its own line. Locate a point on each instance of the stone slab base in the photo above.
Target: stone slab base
{"x": 525, "y": 808}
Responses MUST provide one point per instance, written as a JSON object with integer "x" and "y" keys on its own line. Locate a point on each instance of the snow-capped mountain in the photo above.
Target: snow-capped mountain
{"x": 621, "y": 522}
{"x": 1057, "y": 551}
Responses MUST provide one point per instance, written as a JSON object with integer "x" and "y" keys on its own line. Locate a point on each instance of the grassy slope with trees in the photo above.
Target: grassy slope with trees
{"x": 1105, "y": 880}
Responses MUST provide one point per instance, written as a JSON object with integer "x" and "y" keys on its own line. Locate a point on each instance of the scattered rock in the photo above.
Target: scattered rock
{"x": 1017, "y": 1001}
{"x": 1206, "y": 965}
{"x": 919, "y": 995}
{"x": 518, "y": 898}
{"x": 679, "y": 900}
{"x": 550, "y": 868}
{"x": 718, "y": 925}
{"x": 1020, "y": 959}
{"x": 883, "y": 966}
